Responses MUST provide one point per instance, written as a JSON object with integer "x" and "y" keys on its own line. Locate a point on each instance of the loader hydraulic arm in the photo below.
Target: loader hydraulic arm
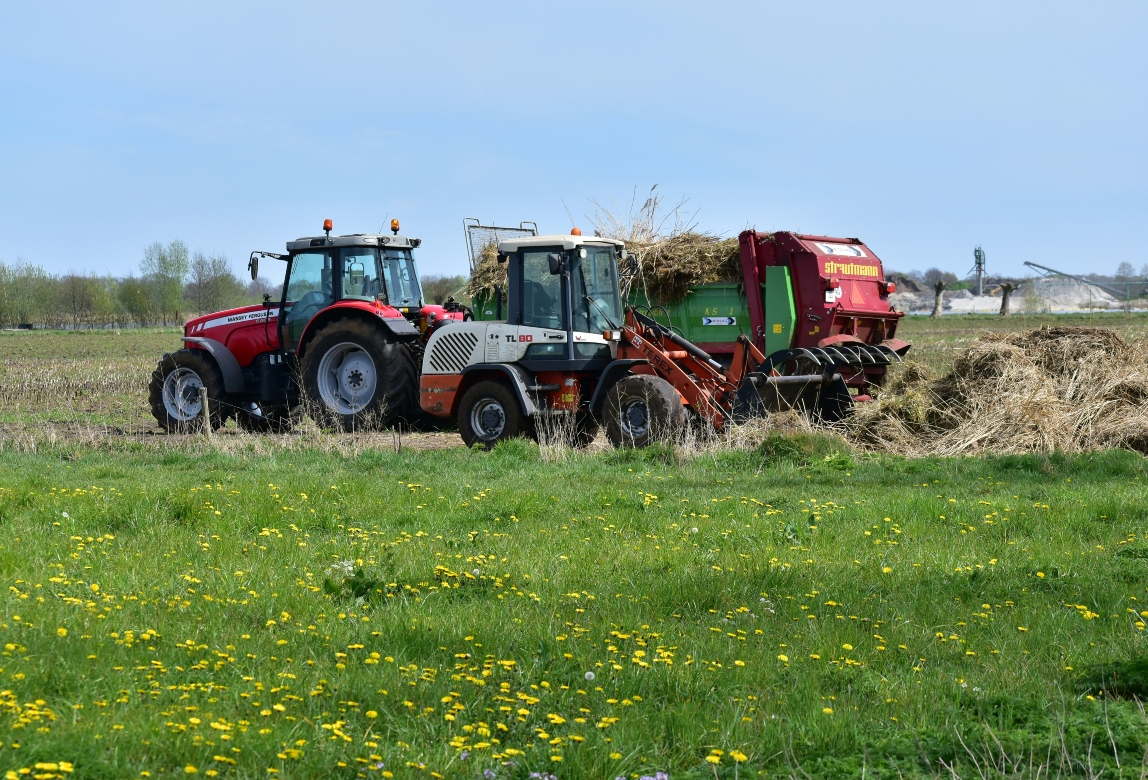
{"x": 704, "y": 387}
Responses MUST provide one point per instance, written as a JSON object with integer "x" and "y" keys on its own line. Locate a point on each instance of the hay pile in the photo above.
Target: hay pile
{"x": 669, "y": 266}
{"x": 1054, "y": 389}
{"x": 487, "y": 273}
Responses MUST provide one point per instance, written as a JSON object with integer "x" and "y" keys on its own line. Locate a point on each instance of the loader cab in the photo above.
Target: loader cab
{"x": 564, "y": 283}
{"x": 324, "y": 271}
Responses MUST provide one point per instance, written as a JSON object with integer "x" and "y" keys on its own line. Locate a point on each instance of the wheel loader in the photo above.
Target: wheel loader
{"x": 343, "y": 340}
{"x": 569, "y": 350}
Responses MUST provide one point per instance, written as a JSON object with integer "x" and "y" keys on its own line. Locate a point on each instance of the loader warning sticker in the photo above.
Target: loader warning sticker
{"x": 719, "y": 320}
{"x": 840, "y": 250}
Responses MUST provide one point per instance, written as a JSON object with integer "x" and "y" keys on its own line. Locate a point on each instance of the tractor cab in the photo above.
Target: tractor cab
{"x": 377, "y": 270}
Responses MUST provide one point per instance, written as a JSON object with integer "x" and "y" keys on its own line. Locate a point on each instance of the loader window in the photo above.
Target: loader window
{"x": 541, "y": 292}
{"x": 597, "y": 303}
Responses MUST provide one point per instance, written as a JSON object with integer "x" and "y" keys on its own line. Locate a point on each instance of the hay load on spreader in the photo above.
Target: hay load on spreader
{"x": 1054, "y": 389}
{"x": 667, "y": 267}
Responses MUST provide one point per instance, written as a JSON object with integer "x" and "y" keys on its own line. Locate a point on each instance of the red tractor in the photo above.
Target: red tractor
{"x": 344, "y": 340}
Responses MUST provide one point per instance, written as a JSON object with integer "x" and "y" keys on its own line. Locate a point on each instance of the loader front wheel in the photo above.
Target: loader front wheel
{"x": 642, "y": 409}
{"x": 174, "y": 391}
{"x": 489, "y": 413}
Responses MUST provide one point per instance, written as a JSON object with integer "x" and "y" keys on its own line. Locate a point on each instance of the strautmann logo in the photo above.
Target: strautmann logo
{"x": 852, "y": 269}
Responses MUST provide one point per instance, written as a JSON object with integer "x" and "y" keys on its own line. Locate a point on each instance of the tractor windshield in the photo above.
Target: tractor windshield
{"x": 401, "y": 278}
{"x": 594, "y": 280}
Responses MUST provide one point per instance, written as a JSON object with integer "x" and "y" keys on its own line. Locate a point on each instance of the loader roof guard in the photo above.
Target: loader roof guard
{"x": 479, "y": 236}
{"x": 566, "y": 242}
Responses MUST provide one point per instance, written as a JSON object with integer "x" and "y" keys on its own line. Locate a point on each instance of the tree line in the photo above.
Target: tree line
{"x": 173, "y": 284}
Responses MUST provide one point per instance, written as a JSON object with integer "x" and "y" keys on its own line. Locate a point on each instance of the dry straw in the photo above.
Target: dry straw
{"x": 672, "y": 254}
{"x": 1054, "y": 389}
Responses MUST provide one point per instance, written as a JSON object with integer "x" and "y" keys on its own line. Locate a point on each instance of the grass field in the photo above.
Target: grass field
{"x": 289, "y": 607}
{"x": 792, "y": 611}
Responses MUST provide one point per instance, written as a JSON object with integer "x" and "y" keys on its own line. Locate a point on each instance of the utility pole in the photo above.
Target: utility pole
{"x": 979, "y": 269}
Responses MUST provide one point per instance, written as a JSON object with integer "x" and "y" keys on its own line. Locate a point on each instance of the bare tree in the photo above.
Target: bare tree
{"x": 1007, "y": 289}
{"x": 939, "y": 288}
{"x": 211, "y": 285}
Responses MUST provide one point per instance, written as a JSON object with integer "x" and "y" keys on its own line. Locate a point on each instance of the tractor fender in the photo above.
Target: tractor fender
{"x": 613, "y": 372}
{"x": 228, "y": 365}
{"x": 519, "y": 378}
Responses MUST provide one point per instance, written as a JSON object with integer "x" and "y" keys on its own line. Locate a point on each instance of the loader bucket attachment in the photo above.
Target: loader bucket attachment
{"x": 824, "y": 398}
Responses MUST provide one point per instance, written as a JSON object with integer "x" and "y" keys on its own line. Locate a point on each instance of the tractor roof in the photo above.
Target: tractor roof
{"x": 512, "y": 245}
{"x": 356, "y": 239}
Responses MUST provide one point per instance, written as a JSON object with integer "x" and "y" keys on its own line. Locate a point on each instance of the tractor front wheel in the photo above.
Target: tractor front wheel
{"x": 356, "y": 378}
{"x": 642, "y": 409}
{"x": 489, "y": 413}
{"x": 174, "y": 392}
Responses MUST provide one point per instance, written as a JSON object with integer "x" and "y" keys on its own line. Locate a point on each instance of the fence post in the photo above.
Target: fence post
{"x": 206, "y": 412}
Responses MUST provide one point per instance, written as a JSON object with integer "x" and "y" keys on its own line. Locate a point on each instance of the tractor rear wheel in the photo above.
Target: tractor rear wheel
{"x": 356, "y": 378}
{"x": 489, "y": 413}
{"x": 174, "y": 392}
{"x": 642, "y": 409}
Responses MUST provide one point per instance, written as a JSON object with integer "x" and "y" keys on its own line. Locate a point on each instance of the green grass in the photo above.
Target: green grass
{"x": 816, "y": 612}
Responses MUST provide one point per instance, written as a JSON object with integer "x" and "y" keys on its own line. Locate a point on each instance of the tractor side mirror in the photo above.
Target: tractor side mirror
{"x": 633, "y": 265}
{"x": 501, "y": 258}
{"x": 557, "y": 265}
{"x": 253, "y": 266}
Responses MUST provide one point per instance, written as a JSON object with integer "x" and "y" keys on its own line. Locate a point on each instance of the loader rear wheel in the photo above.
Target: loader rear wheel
{"x": 641, "y": 410}
{"x": 174, "y": 392}
{"x": 489, "y": 413}
{"x": 356, "y": 378}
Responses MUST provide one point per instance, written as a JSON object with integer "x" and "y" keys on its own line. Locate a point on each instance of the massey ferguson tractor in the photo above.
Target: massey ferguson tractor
{"x": 568, "y": 350}
{"x": 343, "y": 340}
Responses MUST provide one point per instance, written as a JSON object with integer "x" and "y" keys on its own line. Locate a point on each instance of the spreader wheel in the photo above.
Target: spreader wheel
{"x": 642, "y": 409}
{"x": 174, "y": 391}
{"x": 489, "y": 413}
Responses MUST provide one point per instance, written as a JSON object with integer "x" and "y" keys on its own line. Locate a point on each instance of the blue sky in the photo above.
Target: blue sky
{"x": 922, "y": 128}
